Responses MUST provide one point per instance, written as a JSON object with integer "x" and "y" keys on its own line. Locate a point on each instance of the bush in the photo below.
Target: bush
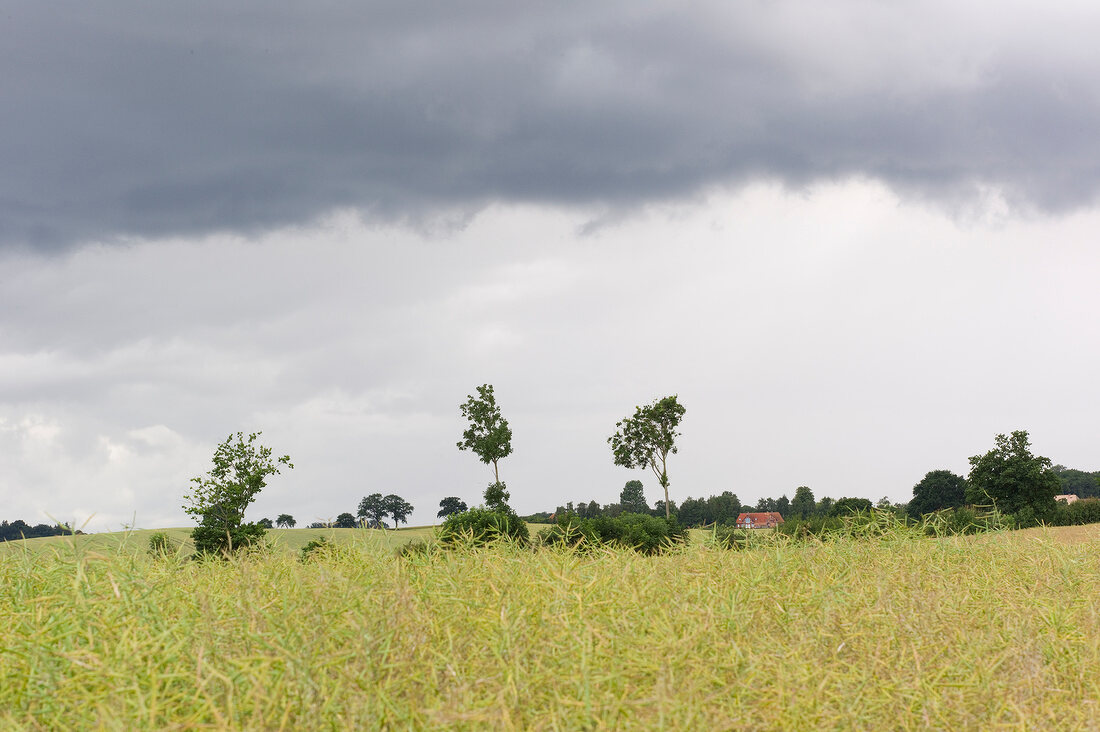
{"x": 320, "y": 545}
{"x": 215, "y": 541}
{"x": 1078, "y": 513}
{"x": 480, "y": 526}
{"x": 159, "y": 544}
{"x": 641, "y": 532}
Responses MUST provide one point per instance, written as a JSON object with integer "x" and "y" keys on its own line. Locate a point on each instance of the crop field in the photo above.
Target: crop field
{"x": 898, "y": 632}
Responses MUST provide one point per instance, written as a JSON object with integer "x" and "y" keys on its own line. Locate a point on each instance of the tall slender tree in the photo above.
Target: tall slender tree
{"x": 488, "y": 436}
{"x": 648, "y": 438}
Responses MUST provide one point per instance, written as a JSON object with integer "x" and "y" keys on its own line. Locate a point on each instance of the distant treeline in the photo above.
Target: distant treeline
{"x": 20, "y": 529}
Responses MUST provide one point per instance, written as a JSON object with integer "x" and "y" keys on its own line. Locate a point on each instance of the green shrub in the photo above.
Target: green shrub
{"x": 641, "y": 532}
{"x": 1078, "y": 513}
{"x": 159, "y": 544}
{"x": 215, "y": 541}
{"x": 315, "y": 546}
{"x": 480, "y": 526}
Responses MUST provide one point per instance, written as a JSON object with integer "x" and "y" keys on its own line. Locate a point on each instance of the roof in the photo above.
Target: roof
{"x": 1067, "y": 497}
{"x": 759, "y": 520}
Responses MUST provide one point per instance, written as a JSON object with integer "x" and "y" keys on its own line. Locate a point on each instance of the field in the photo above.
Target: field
{"x": 895, "y": 633}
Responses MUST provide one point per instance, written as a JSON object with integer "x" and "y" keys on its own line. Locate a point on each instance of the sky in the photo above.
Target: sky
{"x": 857, "y": 240}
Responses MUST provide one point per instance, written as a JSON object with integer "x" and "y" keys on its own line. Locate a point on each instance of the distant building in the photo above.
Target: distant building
{"x": 1067, "y": 497}
{"x": 768, "y": 520}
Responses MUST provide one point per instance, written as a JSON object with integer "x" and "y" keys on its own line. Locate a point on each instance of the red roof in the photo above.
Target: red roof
{"x": 767, "y": 520}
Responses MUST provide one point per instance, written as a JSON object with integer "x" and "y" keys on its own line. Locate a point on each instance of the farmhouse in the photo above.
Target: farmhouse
{"x": 1067, "y": 497}
{"x": 767, "y": 520}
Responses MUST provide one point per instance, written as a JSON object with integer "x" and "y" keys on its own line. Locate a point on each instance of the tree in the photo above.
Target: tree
{"x": 648, "y": 438}
{"x": 496, "y": 497}
{"x": 398, "y": 508}
{"x": 783, "y": 506}
{"x": 449, "y": 505}
{"x": 265, "y": 523}
{"x": 848, "y": 506}
{"x": 724, "y": 508}
{"x": 488, "y": 436}
{"x": 693, "y": 512}
{"x": 373, "y": 508}
{"x": 219, "y": 498}
{"x": 802, "y": 505}
{"x": 1012, "y": 479}
{"x": 632, "y": 497}
{"x": 285, "y": 521}
{"x": 345, "y": 521}
{"x": 938, "y": 489}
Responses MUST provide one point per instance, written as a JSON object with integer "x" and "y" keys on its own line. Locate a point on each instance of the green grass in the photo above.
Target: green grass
{"x": 900, "y": 633}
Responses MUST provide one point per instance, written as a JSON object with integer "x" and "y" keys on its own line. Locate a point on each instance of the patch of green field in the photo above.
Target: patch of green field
{"x": 898, "y": 633}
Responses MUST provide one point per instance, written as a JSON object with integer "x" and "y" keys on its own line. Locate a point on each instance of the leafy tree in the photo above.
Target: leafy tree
{"x": 345, "y": 521}
{"x": 488, "y": 436}
{"x": 398, "y": 508}
{"x": 449, "y": 505}
{"x": 724, "y": 508}
{"x": 802, "y": 505}
{"x": 632, "y": 497}
{"x": 766, "y": 505}
{"x": 668, "y": 509}
{"x": 848, "y": 506}
{"x": 693, "y": 512}
{"x": 285, "y": 521}
{"x": 824, "y": 507}
{"x": 937, "y": 490}
{"x": 479, "y": 526}
{"x": 648, "y": 438}
{"x": 1013, "y": 479}
{"x": 783, "y": 506}
{"x": 1078, "y": 482}
{"x": 265, "y": 523}
{"x": 219, "y": 498}
{"x": 496, "y": 497}
{"x": 373, "y": 508}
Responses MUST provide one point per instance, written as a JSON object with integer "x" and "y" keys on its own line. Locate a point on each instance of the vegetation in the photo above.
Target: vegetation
{"x": 1013, "y": 480}
{"x": 480, "y": 526}
{"x": 938, "y": 489}
{"x": 648, "y": 438}
{"x": 640, "y": 532}
{"x": 488, "y": 436}
{"x": 285, "y": 521}
{"x": 449, "y": 505}
{"x": 898, "y": 632}
{"x": 219, "y": 498}
{"x": 19, "y": 529}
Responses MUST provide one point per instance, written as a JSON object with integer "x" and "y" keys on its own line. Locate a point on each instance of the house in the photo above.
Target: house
{"x": 1067, "y": 497}
{"x": 768, "y": 520}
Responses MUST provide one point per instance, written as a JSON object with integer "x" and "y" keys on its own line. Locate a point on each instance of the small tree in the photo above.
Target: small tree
{"x": 285, "y": 521}
{"x": 398, "y": 508}
{"x": 632, "y": 497}
{"x": 266, "y": 523}
{"x": 648, "y": 438}
{"x": 219, "y": 498}
{"x": 938, "y": 489}
{"x": 802, "y": 505}
{"x": 496, "y": 497}
{"x": 488, "y": 436}
{"x": 345, "y": 521}
{"x": 450, "y": 505}
{"x": 373, "y": 508}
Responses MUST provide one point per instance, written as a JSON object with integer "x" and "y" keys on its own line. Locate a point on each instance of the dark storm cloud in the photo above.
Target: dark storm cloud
{"x": 134, "y": 119}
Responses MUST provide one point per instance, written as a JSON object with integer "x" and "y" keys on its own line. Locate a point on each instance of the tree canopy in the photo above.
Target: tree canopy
{"x": 449, "y": 505}
{"x": 646, "y": 439}
{"x": 1012, "y": 479}
{"x": 938, "y": 489}
{"x": 488, "y": 436}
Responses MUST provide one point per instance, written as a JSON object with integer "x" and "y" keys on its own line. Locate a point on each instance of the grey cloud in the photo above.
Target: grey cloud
{"x": 134, "y": 120}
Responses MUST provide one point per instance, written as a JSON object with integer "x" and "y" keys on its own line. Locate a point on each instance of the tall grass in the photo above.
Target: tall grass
{"x": 894, "y": 632}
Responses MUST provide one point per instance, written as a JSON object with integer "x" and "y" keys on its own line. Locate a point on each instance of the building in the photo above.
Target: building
{"x": 768, "y": 520}
{"x": 1067, "y": 497}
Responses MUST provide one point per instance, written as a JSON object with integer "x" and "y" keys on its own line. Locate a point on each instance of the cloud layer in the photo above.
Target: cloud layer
{"x": 127, "y": 119}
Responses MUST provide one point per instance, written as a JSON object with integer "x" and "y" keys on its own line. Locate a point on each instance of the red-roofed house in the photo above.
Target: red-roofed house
{"x": 767, "y": 520}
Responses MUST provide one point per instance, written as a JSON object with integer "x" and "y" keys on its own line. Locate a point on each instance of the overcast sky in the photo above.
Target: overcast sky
{"x": 858, "y": 239}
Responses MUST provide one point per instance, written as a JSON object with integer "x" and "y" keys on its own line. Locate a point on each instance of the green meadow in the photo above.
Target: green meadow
{"x": 895, "y": 632}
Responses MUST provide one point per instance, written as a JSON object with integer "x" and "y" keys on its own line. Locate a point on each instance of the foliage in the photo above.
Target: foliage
{"x": 480, "y": 526}
{"x": 496, "y": 497}
{"x": 632, "y": 497}
{"x": 802, "y": 505}
{"x": 316, "y": 546}
{"x": 266, "y": 523}
{"x": 1078, "y": 482}
{"x": 648, "y": 438}
{"x": 19, "y": 529}
{"x": 641, "y": 532}
{"x": 449, "y": 505}
{"x": 285, "y": 521}
{"x": 345, "y": 521}
{"x": 398, "y": 508}
{"x": 159, "y": 544}
{"x": 1084, "y": 511}
{"x": 1012, "y": 479}
{"x": 218, "y": 499}
{"x": 488, "y": 436}
{"x": 938, "y": 489}
{"x": 373, "y": 508}
{"x": 847, "y": 506}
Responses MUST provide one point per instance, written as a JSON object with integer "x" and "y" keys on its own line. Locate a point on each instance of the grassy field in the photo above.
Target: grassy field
{"x": 901, "y": 633}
